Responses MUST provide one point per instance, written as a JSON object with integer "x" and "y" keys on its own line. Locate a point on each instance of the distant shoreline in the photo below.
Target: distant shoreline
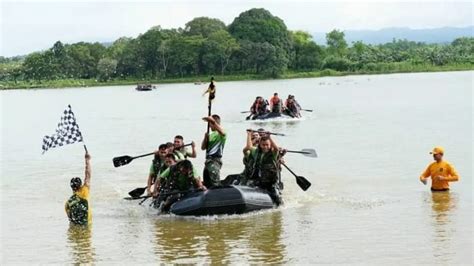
{"x": 76, "y": 83}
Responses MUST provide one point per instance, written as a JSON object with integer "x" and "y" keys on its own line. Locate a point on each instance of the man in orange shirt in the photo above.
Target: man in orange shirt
{"x": 440, "y": 171}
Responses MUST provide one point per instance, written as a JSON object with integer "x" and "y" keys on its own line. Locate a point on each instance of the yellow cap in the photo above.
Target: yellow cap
{"x": 437, "y": 150}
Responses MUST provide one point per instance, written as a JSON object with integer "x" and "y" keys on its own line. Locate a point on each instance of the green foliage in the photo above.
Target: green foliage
{"x": 255, "y": 45}
{"x": 106, "y": 68}
{"x": 203, "y": 26}
{"x": 337, "y": 45}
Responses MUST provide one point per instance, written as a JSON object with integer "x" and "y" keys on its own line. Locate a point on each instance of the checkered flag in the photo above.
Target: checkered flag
{"x": 66, "y": 133}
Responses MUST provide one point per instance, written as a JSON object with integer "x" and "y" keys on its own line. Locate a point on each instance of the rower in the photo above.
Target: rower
{"x": 157, "y": 166}
{"x": 263, "y": 167}
{"x": 179, "y": 147}
{"x": 180, "y": 179}
{"x": 276, "y": 104}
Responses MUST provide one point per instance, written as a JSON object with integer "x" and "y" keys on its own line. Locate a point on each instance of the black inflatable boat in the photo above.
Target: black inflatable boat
{"x": 271, "y": 115}
{"x": 223, "y": 200}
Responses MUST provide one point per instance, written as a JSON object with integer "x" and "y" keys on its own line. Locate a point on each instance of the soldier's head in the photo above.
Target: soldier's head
{"x": 169, "y": 147}
{"x": 75, "y": 183}
{"x": 185, "y": 167}
{"x": 178, "y": 141}
{"x": 162, "y": 151}
{"x": 170, "y": 160}
{"x": 217, "y": 118}
{"x": 264, "y": 144}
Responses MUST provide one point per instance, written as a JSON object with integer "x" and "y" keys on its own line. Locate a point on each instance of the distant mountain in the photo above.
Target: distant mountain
{"x": 435, "y": 35}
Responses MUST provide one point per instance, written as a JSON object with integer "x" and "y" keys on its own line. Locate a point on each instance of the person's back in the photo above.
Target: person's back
{"x": 275, "y": 103}
{"x": 78, "y": 207}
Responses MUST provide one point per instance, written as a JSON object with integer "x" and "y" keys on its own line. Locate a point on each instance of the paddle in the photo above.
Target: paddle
{"x": 307, "y": 110}
{"x": 300, "y": 180}
{"x": 136, "y": 193}
{"x": 244, "y": 112}
{"x": 135, "y": 198}
{"x": 123, "y": 160}
{"x": 269, "y": 133}
{"x": 306, "y": 152}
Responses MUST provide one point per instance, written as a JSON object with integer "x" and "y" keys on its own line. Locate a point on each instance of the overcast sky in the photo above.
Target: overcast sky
{"x": 35, "y": 25}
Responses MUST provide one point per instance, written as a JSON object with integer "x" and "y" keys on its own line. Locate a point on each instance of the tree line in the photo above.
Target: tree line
{"x": 256, "y": 42}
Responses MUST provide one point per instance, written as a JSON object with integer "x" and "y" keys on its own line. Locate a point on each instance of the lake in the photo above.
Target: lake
{"x": 366, "y": 205}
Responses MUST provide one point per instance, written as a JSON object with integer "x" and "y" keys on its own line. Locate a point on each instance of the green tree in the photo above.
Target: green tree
{"x": 220, "y": 46}
{"x": 259, "y": 25}
{"x": 307, "y": 54}
{"x": 106, "y": 68}
{"x": 203, "y": 26}
{"x": 337, "y": 45}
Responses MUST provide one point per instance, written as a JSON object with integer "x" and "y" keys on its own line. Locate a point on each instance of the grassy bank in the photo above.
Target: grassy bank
{"x": 380, "y": 68}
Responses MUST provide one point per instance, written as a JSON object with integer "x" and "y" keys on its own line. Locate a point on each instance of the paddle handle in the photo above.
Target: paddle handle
{"x": 307, "y": 110}
{"x": 269, "y": 133}
{"x": 143, "y": 155}
{"x": 289, "y": 169}
{"x": 302, "y": 152}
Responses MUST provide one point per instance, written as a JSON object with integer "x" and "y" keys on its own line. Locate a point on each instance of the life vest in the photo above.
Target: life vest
{"x": 158, "y": 167}
{"x": 78, "y": 210}
{"x": 176, "y": 181}
{"x": 262, "y": 167}
{"x": 275, "y": 100}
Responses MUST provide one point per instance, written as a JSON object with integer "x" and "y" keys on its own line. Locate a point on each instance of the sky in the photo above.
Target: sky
{"x": 28, "y": 26}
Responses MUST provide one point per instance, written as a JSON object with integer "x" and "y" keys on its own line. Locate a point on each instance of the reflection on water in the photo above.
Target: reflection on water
{"x": 79, "y": 240}
{"x": 254, "y": 239}
{"x": 443, "y": 206}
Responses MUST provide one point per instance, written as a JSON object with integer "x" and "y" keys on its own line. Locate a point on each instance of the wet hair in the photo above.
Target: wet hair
{"x": 275, "y": 94}
{"x": 217, "y": 118}
{"x": 179, "y": 137}
{"x": 169, "y": 145}
{"x": 261, "y": 130}
{"x": 265, "y": 138}
{"x": 186, "y": 164}
{"x": 170, "y": 156}
{"x": 162, "y": 146}
{"x": 75, "y": 183}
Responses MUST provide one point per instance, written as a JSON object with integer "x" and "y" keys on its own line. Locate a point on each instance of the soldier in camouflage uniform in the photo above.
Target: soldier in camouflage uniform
{"x": 77, "y": 207}
{"x": 213, "y": 143}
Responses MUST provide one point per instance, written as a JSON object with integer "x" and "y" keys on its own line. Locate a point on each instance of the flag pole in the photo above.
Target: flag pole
{"x": 85, "y": 147}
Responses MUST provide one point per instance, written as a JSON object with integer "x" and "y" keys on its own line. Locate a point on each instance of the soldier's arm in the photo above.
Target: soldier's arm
{"x": 88, "y": 171}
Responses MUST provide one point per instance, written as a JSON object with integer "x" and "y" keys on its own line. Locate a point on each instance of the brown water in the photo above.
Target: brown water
{"x": 366, "y": 205}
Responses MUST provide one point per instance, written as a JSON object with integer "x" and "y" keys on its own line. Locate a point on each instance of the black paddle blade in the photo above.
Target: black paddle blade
{"x": 310, "y": 153}
{"x": 122, "y": 160}
{"x": 303, "y": 183}
{"x": 137, "y": 192}
{"x": 231, "y": 180}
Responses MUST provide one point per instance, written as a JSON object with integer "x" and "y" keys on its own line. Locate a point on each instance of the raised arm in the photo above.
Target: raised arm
{"x": 193, "y": 151}
{"x": 273, "y": 143}
{"x": 248, "y": 145}
{"x": 204, "y": 142}
{"x": 87, "y": 174}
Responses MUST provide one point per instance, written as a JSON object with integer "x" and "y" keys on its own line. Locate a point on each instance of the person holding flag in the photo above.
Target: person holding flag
{"x": 77, "y": 207}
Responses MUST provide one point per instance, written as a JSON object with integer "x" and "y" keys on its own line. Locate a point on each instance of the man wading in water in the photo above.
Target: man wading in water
{"x": 213, "y": 143}
{"x": 78, "y": 209}
{"x": 441, "y": 172}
